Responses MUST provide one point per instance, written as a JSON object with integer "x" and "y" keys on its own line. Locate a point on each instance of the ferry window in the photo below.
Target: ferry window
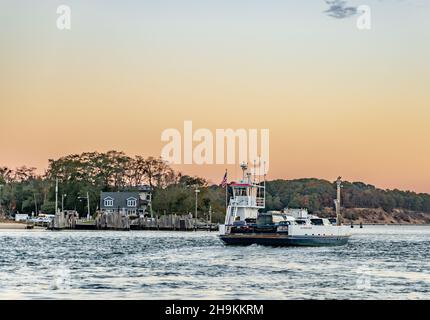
{"x": 240, "y": 192}
{"x": 277, "y": 218}
{"x": 317, "y": 222}
{"x": 264, "y": 219}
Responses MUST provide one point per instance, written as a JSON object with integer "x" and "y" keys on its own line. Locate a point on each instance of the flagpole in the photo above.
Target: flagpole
{"x": 226, "y": 191}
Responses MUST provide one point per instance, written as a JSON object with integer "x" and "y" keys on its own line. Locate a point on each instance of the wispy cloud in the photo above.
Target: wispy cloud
{"x": 340, "y": 9}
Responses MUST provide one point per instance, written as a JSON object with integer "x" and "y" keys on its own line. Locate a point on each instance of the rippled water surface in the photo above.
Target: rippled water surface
{"x": 388, "y": 262}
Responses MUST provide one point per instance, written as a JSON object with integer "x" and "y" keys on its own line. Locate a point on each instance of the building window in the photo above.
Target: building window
{"x": 131, "y": 202}
{"x": 108, "y": 202}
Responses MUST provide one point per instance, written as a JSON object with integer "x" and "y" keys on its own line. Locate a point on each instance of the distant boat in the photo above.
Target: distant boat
{"x": 244, "y": 225}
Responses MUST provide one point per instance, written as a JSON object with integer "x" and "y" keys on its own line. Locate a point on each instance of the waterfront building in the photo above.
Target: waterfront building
{"x": 127, "y": 202}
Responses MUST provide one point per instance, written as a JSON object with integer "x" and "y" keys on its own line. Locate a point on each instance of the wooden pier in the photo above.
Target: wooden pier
{"x": 64, "y": 220}
{"x": 118, "y": 221}
{"x": 172, "y": 222}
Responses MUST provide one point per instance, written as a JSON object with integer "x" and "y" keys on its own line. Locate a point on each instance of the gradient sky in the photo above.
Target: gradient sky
{"x": 337, "y": 100}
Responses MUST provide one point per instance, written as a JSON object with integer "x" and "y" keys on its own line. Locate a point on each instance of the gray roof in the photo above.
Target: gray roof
{"x": 119, "y": 199}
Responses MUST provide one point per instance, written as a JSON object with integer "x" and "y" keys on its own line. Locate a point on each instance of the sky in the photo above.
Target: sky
{"x": 337, "y": 100}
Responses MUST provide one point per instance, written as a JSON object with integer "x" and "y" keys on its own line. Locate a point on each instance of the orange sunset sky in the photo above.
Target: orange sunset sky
{"x": 337, "y": 100}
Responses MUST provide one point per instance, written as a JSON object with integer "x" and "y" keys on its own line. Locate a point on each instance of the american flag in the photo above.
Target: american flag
{"x": 224, "y": 180}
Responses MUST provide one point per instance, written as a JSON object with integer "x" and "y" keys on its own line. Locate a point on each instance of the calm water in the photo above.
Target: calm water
{"x": 379, "y": 262}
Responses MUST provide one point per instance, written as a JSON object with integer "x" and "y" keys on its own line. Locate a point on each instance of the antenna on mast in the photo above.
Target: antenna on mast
{"x": 264, "y": 183}
{"x": 259, "y": 169}
{"x": 255, "y": 173}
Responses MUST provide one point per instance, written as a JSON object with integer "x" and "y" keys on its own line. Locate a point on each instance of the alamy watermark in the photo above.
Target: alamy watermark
{"x": 203, "y": 146}
{"x": 338, "y": 9}
{"x": 371, "y": 280}
{"x": 363, "y": 280}
{"x": 364, "y": 20}
{"x": 64, "y": 21}
{"x": 61, "y": 278}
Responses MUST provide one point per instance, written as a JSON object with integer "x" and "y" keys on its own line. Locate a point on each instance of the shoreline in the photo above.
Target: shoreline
{"x": 12, "y": 226}
{"x": 17, "y": 226}
{"x": 22, "y": 226}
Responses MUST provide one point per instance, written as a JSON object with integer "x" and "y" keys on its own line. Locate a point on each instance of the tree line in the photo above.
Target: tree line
{"x": 24, "y": 190}
{"x": 317, "y": 194}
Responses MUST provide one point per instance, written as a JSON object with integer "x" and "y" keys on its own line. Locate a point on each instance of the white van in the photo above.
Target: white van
{"x": 21, "y": 217}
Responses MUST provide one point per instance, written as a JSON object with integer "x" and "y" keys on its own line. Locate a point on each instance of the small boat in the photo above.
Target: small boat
{"x": 246, "y": 225}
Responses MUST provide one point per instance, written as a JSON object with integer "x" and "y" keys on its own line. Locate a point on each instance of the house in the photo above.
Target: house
{"x": 126, "y": 202}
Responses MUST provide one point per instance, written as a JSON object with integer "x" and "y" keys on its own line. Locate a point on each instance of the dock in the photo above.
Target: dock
{"x": 69, "y": 220}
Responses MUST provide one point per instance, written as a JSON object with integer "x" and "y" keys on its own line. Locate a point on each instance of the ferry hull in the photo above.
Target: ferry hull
{"x": 284, "y": 241}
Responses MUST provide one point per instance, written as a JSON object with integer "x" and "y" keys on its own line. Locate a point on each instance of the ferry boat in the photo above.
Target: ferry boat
{"x": 246, "y": 225}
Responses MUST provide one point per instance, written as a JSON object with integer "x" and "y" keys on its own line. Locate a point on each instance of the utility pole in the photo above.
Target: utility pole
{"x": 150, "y": 203}
{"x": 88, "y": 205}
{"x": 1, "y": 200}
{"x": 210, "y": 214}
{"x": 62, "y": 201}
{"x": 337, "y": 201}
{"x": 56, "y": 195}
{"x": 35, "y": 203}
{"x": 197, "y": 193}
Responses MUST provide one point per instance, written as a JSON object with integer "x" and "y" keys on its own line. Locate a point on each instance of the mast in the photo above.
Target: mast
{"x": 264, "y": 183}
{"x": 254, "y": 178}
{"x": 259, "y": 169}
{"x": 244, "y": 167}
